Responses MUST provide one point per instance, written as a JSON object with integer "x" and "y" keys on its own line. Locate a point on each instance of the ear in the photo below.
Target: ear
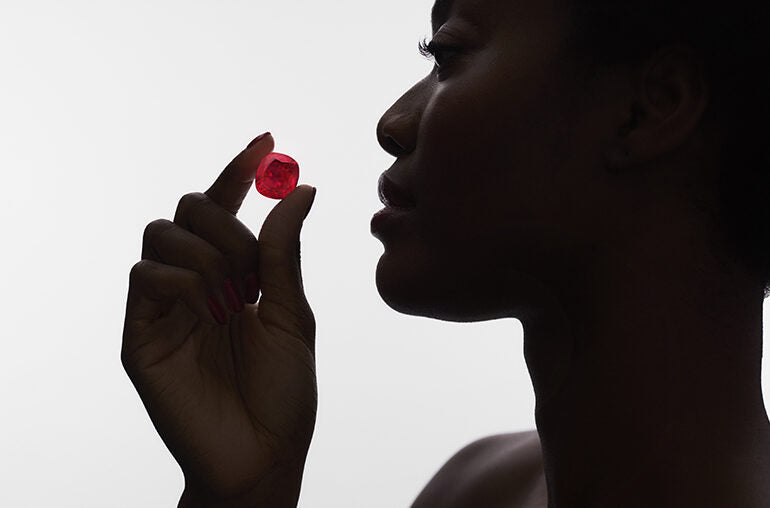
{"x": 671, "y": 100}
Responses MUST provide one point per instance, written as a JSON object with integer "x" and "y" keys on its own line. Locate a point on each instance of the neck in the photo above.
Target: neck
{"x": 647, "y": 382}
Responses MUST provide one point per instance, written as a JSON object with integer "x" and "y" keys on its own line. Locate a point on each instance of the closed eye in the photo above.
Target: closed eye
{"x": 439, "y": 53}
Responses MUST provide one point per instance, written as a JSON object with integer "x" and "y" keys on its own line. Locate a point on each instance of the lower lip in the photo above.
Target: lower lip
{"x": 387, "y": 218}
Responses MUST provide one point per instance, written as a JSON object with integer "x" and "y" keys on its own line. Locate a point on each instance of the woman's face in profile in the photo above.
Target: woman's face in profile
{"x": 499, "y": 150}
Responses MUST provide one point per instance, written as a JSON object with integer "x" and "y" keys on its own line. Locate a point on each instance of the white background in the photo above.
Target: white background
{"x": 110, "y": 111}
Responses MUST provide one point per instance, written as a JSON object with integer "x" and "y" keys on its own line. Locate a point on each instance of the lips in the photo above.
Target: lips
{"x": 393, "y": 195}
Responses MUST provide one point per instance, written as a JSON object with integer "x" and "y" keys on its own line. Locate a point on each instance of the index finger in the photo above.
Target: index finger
{"x": 232, "y": 185}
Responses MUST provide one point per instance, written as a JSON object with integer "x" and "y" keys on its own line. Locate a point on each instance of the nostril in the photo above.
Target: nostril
{"x": 395, "y": 143}
{"x": 392, "y": 146}
{"x": 397, "y": 130}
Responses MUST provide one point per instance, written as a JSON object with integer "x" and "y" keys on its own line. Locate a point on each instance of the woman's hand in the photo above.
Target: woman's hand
{"x": 235, "y": 403}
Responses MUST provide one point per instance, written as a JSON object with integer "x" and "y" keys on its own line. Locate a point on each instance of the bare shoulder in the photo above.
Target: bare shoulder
{"x": 503, "y": 470}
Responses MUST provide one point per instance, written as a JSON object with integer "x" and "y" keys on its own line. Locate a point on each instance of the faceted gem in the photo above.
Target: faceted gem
{"x": 277, "y": 175}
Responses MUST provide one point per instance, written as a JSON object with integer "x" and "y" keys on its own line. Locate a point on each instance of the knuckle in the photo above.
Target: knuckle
{"x": 309, "y": 320}
{"x": 138, "y": 269}
{"x": 190, "y": 200}
{"x": 125, "y": 359}
{"x": 128, "y": 361}
{"x": 155, "y": 228}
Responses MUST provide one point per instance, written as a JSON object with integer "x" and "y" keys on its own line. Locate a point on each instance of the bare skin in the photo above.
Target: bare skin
{"x": 641, "y": 334}
{"x": 501, "y": 471}
{"x": 583, "y": 205}
{"x": 235, "y": 402}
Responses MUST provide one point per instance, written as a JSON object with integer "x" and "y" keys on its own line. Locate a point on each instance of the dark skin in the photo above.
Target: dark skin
{"x": 561, "y": 198}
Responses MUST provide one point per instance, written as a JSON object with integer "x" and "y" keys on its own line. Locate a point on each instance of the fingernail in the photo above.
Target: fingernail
{"x": 233, "y": 298}
{"x": 256, "y": 140}
{"x": 312, "y": 199}
{"x": 217, "y": 311}
{"x": 251, "y": 285}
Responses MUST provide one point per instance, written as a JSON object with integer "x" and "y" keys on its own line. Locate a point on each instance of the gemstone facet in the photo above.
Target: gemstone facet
{"x": 277, "y": 175}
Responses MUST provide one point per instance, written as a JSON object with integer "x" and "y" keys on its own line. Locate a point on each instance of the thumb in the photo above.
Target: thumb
{"x": 279, "y": 266}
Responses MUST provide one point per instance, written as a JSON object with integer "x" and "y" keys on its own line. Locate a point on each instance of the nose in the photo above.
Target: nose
{"x": 397, "y": 129}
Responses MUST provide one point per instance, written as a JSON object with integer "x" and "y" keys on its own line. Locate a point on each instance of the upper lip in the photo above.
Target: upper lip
{"x": 392, "y": 194}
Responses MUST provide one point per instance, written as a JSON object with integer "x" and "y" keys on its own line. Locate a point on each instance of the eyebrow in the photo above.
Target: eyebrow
{"x": 440, "y": 13}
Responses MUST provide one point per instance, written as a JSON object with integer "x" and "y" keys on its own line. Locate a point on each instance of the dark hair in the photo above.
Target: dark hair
{"x": 730, "y": 41}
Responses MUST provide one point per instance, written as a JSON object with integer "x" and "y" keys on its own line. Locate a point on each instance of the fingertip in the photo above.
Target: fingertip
{"x": 258, "y": 139}
{"x": 261, "y": 146}
{"x": 300, "y": 190}
{"x": 215, "y": 312}
{"x": 304, "y": 189}
{"x": 310, "y": 203}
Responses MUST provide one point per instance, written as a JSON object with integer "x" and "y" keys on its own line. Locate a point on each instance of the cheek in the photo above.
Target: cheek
{"x": 494, "y": 186}
{"x": 485, "y": 157}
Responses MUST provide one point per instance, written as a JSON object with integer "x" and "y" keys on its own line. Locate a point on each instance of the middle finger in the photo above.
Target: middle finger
{"x": 200, "y": 215}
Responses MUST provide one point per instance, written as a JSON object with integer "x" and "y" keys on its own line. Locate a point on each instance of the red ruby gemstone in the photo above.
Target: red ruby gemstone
{"x": 277, "y": 175}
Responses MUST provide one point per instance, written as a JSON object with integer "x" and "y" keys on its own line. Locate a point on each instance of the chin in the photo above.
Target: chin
{"x": 427, "y": 290}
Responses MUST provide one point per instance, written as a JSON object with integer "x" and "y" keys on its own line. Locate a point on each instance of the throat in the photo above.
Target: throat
{"x": 649, "y": 410}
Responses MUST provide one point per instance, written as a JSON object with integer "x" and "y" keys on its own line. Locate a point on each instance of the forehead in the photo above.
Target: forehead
{"x": 440, "y": 13}
{"x": 477, "y": 12}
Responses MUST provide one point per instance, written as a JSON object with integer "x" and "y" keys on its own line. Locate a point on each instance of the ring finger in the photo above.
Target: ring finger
{"x": 171, "y": 244}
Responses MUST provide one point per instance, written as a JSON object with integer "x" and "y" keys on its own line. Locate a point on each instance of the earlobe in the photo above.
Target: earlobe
{"x": 618, "y": 157}
{"x": 635, "y": 119}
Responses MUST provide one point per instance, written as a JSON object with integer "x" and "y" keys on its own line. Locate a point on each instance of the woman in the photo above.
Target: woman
{"x": 595, "y": 169}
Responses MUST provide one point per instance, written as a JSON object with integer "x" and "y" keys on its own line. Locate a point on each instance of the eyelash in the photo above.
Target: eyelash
{"x": 433, "y": 50}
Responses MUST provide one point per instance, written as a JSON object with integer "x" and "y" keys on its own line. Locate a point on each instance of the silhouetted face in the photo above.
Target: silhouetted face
{"x": 500, "y": 151}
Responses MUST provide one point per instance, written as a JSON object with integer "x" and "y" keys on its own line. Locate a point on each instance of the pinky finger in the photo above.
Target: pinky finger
{"x": 154, "y": 326}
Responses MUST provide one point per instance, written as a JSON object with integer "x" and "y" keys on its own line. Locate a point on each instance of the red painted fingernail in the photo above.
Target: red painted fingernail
{"x": 256, "y": 140}
{"x": 252, "y": 287}
{"x": 217, "y": 311}
{"x": 232, "y": 296}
